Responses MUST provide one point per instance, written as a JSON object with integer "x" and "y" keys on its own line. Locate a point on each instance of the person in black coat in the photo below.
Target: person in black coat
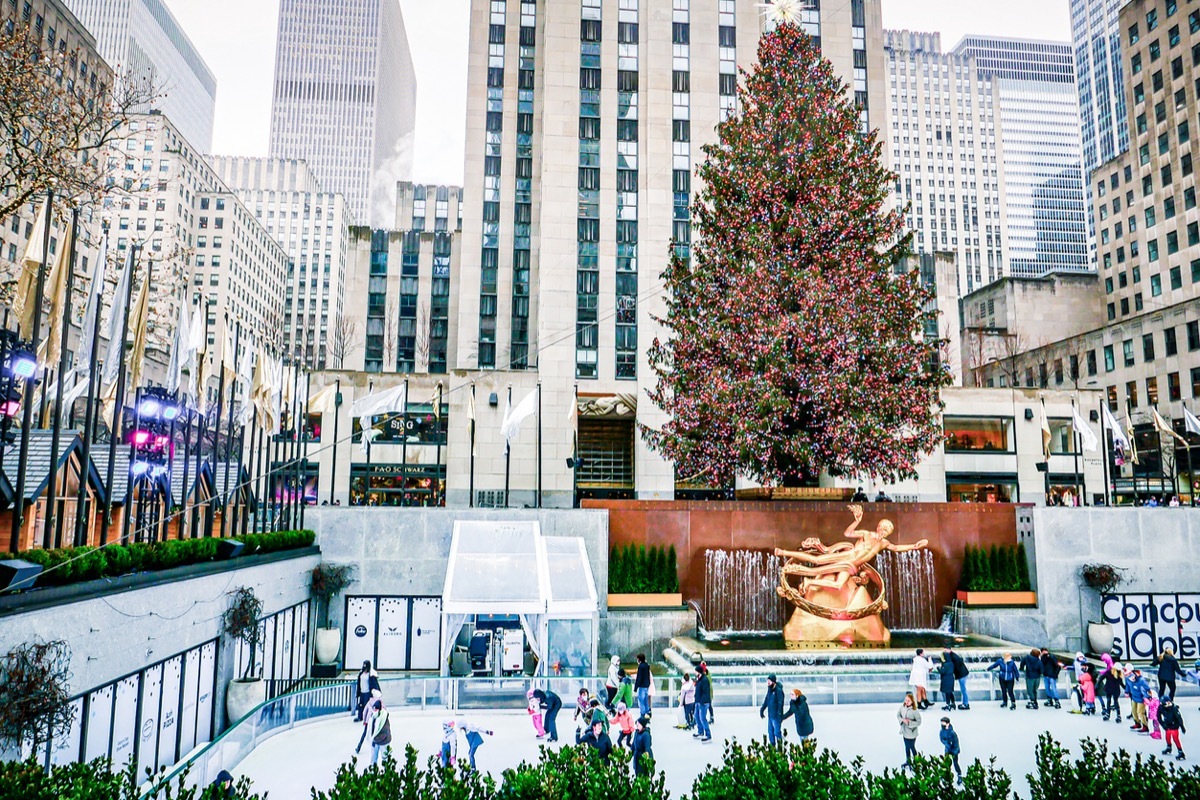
{"x": 1050, "y": 670}
{"x": 642, "y": 747}
{"x": 641, "y": 685}
{"x": 596, "y": 738}
{"x": 946, "y": 683}
{"x": 1168, "y": 668}
{"x": 798, "y": 708}
{"x": 551, "y": 705}
{"x": 223, "y": 784}
{"x": 368, "y": 681}
{"x": 703, "y": 702}
{"x": 1032, "y": 666}
{"x": 772, "y": 709}
{"x": 960, "y": 674}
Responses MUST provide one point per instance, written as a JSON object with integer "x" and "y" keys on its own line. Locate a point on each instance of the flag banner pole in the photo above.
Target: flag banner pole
{"x": 303, "y": 468}
{"x": 507, "y": 449}
{"x": 471, "y": 470}
{"x": 117, "y": 423}
{"x": 53, "y": 517}
{"x": 237, "y": 344}
{"x": 539, "y": 445}
{"x": 83, "y": 507}
{"x": 337, "y": 409}
{"x": 18, "y": 514}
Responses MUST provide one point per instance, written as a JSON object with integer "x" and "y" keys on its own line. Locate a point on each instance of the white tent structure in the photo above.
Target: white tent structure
{"x": 509, "y": 568}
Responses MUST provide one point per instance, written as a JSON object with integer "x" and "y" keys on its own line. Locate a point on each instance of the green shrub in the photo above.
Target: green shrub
{"x": 389, "y": 780}
{"x": 1024, "y": 584}
{"x": 1000, "y": 568}
{"x": 94, "y": 780}
{"x": 1100, "y": 773}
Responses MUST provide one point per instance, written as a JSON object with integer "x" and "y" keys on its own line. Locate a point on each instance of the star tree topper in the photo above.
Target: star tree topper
{"x": 781, "y": 11}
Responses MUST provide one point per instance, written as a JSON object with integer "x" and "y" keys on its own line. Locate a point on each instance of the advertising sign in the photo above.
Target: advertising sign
{"x": 1145, "y": 624}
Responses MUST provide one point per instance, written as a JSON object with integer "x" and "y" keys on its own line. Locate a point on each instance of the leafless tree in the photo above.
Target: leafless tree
{"x": 391, "y": 333}
{"x": 344, "y": 339}
{"x": 56, "y": 126}
{"x": 34, "y": 682}
{"x": 1013, "y": 348}
{"x": 421, "y": 354}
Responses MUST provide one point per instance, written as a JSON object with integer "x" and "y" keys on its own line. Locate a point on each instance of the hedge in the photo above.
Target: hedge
{"x": 636, "y": 569}
{"x": 94, "y": 780}
{"x": 753, "y": 772}
{"x": 1000, "y": 568}
{"x": 69, "y": 565}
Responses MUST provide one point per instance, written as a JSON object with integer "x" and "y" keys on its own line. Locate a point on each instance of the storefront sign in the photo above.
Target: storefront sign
{"x": 1145, "y": 624}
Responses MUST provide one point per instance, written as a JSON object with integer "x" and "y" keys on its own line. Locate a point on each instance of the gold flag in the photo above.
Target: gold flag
{"x": 323, "y": 401}
{"x": 139, "y": 324}
{"x": 26, "y": 291}
{"x": 56, "y": 290}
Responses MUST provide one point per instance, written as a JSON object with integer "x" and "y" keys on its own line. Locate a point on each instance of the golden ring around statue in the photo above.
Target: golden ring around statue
{"x": 866, "y": 574}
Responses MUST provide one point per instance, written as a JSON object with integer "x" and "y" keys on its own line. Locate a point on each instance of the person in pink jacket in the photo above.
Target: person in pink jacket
{"x": 1152, "y": 704}
{"x": 535, "y": 714}
{"x": 1088, "y": 687}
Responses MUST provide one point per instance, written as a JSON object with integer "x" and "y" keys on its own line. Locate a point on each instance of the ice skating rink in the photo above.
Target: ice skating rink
{"x": 289, "y": 764}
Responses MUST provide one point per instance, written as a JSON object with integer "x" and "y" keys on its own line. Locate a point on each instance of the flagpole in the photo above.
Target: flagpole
{"x": 1105, "y": 448}
{"x": 18, "y": 515}
{"x": 303, "y": 468}
{"x": 237, "y": 343}
{"x": 54, "y": 520}
{"x": 293, "y": 445}
{"x": 212, "y": 508}
{"x": 438, "y": 500}
{"x": 539, "y": 445}
{"x": 507, "y": 451}
{"x": 201, "y": 424}
{"x": 575, "y": 452}
{"x": 1075, "y": 446}
{"x": 118, "y": 418}
{"x": 337, "y": 408}
{"x": 89, "y": 423}
{"x": 129, "y": 478}
{"x": 471, "y": 471}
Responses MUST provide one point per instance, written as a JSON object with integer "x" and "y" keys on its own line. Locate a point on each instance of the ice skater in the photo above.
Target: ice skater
{"x": 643, "y": 754}
{"x": 474, "y": 734}
{"x": 534, "y": 707}
{"x": 918, "y": 678}
{"x": 550, "y": 704}
{"x": 772, "y": 710}
{"x": 1007, "y": 672}
{"x": 950, "y": 743}
{"x": 1172, "y": 723}
{"x": 449, "y": 750}
{"x": 910, "y": 725}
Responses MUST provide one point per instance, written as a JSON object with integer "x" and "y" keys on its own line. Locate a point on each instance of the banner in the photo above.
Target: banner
{"x": 1145, "y": 624}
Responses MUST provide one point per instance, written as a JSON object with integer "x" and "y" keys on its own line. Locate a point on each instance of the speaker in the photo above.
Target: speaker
{"x": 228, "y": 548}
{"x": 16, "y": 574}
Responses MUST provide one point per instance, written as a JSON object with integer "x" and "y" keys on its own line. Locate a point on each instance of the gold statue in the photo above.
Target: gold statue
{"x": 840, "y": 596}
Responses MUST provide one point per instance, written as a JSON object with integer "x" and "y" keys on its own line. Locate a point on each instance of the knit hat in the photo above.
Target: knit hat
{"x": 772, "y": 678}
{"x": 621, "y": 707}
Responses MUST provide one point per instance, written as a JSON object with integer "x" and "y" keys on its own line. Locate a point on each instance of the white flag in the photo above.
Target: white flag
{"x": 368, "y": 435}
{"x": 376, "y": 403}
{"x": 513, "y": 417}
{"x": 95, "y": 291}
{"x": 179, "y": 352}
{"x": 1119, "y": 438}
{"x": 1190, "y": 423}
{"x": 1084, "y": 430}
{"x": 323, "y": 401}
{"x": 116, "y": 322}
{"x": 1047, "y": 436}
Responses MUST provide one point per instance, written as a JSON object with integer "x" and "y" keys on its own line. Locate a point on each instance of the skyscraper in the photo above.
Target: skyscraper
{"x": 949, "y": 159}
{"x": 1039, "y": 120}
{"x": 1096, "y": 35}
{"x": 143, "y": 37}
{"x": 585, "y": 124}
{"x": 345, "y": 99}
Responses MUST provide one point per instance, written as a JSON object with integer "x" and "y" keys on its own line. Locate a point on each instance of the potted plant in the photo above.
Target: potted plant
{"x": 641, "y": 577}
{"x": 328, "y": 580}
{"x": 1104, "y": 578}
{"x": 242, "y": 622}
{"x": 996, "y": 577}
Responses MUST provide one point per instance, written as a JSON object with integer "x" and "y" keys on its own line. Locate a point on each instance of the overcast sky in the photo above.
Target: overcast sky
{"x": 243, "y": 58}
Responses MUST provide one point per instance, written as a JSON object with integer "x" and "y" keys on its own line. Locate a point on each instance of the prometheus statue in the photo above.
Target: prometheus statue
{"x": 839, "y": 595}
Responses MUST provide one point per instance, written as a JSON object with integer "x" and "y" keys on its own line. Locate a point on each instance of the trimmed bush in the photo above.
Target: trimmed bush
{"x": 636, "y": 569}
{"x": 1000, "y": 568}
{"x": 94, "y": 780}
{"x": 68, "y": 565}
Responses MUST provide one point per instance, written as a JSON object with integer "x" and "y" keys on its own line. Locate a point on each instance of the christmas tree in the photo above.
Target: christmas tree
{"x": 792, "y": 344}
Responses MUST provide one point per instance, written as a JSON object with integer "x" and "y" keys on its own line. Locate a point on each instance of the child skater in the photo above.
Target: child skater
{"x": 535, "y": 714}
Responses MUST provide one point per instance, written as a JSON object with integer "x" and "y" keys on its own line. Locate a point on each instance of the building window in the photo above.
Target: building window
{"x": 971, "y": 434}
{"x": 1110, "y": 363}
{"x": 1170, "y": 345}
{"x": 1173, "y": 390}
{"x": 1148, "y": 347}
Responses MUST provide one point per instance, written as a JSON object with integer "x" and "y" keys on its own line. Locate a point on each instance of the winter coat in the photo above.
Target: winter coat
{"x": 598, "y": 715}
{"x": 1170, "y": 718}
{"x": 614, "y": 664}
{"x": 1168, "y": 668}
{"x": 910, "y": 721}
{"x": 798, "y": 708}
{"x": 960, "y": 666}
{"x": 950, "y": 741}
{"x": 687, "y": 695}
{"x": 1137, "y": 688}
{"x": 772, "y": 704}
{"x": 1050, "y": 667}
{"x": 1111, "y": 682}
{"x": 1088, "y": 687}
{"x": 1152, "y": 706}
{"x": 623, "y": 720}
{"x": 1032, "y": 666}
{"x": 381, "y": 728}
{"x": 641, "y": 747}
{"x": 643, "y": 676}
{"x": 704, "y": 689}
{"x": 624, "y": 692}
{"x": 919, "y": 674}
{"x": 550, "y": 702}
{"x": 601, "y": 743}
{"x": 1008, "y": 670}
{"x": 946, "y": 671}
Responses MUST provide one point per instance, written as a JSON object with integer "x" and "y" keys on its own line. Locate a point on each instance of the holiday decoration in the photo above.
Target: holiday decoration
{"x": 793, "y": 345}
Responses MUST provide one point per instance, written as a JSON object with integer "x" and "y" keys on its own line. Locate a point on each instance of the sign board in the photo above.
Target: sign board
{"x": 1145, "y": 624}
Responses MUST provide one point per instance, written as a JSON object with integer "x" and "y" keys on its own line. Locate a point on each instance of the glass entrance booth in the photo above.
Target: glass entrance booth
{"x": 541, "y": 586}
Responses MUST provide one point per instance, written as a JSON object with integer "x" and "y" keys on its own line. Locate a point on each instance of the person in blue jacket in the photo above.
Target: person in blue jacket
{"x": 772, "y": 709}
{"x": 643, "y": 754}
{"x": 1137, "y": 688}
{"x": 1007, "y": 673}
{"x": 950, "y": 741}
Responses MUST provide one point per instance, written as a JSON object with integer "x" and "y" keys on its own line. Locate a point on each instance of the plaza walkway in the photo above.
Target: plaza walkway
{"x": 289, "y": 764}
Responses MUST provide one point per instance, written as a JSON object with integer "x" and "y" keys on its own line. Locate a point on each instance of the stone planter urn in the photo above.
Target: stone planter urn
{"x": 243, "y": 696}
{"x": 1100, "y": 637}
{"x": 328, "y": 645}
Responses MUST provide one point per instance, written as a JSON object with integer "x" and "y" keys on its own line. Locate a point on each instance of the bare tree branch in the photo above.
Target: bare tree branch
{"x": 344, "y": 339}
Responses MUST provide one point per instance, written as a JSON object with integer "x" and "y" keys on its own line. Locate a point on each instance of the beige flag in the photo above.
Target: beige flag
{"x": 31, "y": 263}
{"x": 56, "y": 290}
{"x": 139, "y": 323}
{"x": 323, "y": 401}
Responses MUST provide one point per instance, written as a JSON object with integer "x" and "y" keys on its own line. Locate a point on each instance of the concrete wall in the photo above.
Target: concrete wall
{"x": 405, "y": 551}
{"x": 1157, "y": 547}
{"x": 629, "y": 632}
{"x": 113, "y": 636}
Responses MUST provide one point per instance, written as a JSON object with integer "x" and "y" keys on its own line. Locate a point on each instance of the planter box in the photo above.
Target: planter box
{"x": 645, "y": 600}
{"x": 801, "y": 493}
{"x": 998, "y": 599}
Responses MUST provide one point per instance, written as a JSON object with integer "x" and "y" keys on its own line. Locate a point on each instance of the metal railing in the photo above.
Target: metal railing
{"x": 315, "y": 699}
